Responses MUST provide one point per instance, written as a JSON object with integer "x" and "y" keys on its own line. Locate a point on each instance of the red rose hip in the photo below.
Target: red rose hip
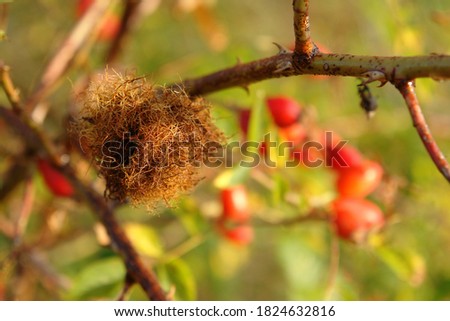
{"x": 294, "y": 133}
{"x": 348, "y": 156}
{"x": 235, "y": 203}
{"x": 240, "y": 235}
{"x": 244, "y": 119}
{"x": 54, "y": 179}
{"x": 355, "y": 218}
{"x": 359, "y": 181}
{"x": 285, "y": 111}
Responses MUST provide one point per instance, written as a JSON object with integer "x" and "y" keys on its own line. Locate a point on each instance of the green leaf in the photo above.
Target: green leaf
{"x": 256, "y": 130}
{"x": 406, "y": 265}
{"x": 179, "y": 275}
{"x": 145, "y": 239}
{"x": 97, "y": 275}
{"x": 258, "y": 118}
{"x": 279, "y": 189}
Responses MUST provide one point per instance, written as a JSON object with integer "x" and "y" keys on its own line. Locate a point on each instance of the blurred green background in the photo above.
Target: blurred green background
{"x": 409, "y": 259}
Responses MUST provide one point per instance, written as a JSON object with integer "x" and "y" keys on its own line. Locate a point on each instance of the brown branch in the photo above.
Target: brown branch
{"x": 16, "y": 173}
{"x": 38, "y": 141}
{"x": 281, "y": 65}
{"x": 408, "y": 92}
{"x": 240, "y": 75}
{"x": 141, "y": 275}
{"x": 304, "y": 47}
{"x": 64, "y": 58}
{"x": 128, "y": 19}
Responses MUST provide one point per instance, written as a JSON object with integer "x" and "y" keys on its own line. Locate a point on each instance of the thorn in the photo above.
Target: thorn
{"x": 281, "y": 49}
{"x": 171, "y": 294}
{"x": 282, "y": 66}
{"x": 374, "y": 75}
{"x": 246, "y": 88}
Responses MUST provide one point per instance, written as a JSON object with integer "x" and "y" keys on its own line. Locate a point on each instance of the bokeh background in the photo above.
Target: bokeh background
{"x": 62, "y": 256}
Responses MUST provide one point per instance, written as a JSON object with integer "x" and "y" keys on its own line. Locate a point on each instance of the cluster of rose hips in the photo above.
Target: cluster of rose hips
{"x": 352, "y": 215}
{"x": 355, "y": 217}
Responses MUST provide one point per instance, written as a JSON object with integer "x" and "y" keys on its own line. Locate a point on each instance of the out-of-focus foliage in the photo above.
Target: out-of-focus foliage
{"x": 408, "y": 260}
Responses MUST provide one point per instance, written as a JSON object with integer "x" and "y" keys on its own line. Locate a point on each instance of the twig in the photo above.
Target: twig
{"x": 127, "y": 284}
{"x": 18, "y": 171}
{"x": 38, "y": 141}
{"x": 304, "y": 47}
{"x": 315, "y": 214}
{"x": 64, "y": 57}
{"x": 128, "y": 19}
{"x": 281, "y": 65}
{"x": 141, "y": 275}
{"x": 48, "y": 276}
{"x": 182, "y": 249}
{"x": 408, "y": 92}
{"x": 11, "y": 92}
{"x": 25, "y": 211}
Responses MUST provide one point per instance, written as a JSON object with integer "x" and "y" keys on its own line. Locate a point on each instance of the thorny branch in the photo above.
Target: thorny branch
{"x": 408, "y": 92}
{"x": 370, "y": 67}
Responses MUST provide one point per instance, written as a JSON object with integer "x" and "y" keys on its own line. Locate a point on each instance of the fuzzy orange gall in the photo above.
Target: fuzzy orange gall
{"x": 54, "y": 179}
{"x": 146, "y": 140}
